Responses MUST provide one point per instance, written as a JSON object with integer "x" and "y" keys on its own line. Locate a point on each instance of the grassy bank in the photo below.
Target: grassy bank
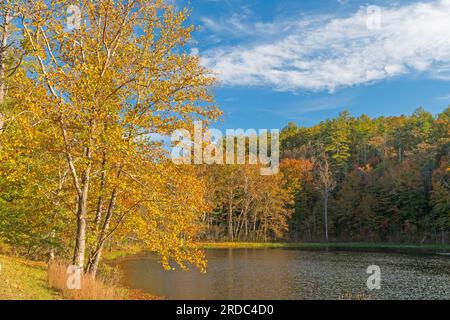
{"x": 120, "y": 253}
{"x": 21, "y": 279}
{"x": 318, "y": 245}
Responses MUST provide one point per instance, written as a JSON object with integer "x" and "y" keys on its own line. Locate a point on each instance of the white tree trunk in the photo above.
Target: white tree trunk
{"x": 3, "y": 48}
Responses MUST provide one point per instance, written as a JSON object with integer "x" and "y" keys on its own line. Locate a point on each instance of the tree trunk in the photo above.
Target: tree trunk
{"x": 254, "y": 226}
{"x": 80, "y": 244}
{"x": 94, "y": 261}
{"x": 265, "y": 228}
{"x": 101, "y": 239}
{"x": 3, "y": 48}
{"x": 442, "y": 236}
{"x": 99, "y": 212}
{"x": 246, "y": 226}
{"x": 52, "y": 249}
{"x": 230, "y": 222}
{"x": 325, "y": 211}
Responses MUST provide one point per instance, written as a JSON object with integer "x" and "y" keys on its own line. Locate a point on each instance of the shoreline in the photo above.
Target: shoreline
{"x": 345, "y": 246}
{"x": 388, "y": 247}
{"x": 321, "y": 244}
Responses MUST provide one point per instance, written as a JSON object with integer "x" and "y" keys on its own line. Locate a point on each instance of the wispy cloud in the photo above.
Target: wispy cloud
{"x": 446, "y": 97}
{"x": 242, "y": 25}
{"x": 326, "y": 53}
{"x": 308, "y": 106}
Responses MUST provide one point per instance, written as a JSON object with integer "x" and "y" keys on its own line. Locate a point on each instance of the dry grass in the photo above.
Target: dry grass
{"x": 91, "y": 288}
{"x": 136, "y": 294}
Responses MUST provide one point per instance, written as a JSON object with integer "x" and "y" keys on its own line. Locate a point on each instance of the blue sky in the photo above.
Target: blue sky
{"x": 305, "y": 61}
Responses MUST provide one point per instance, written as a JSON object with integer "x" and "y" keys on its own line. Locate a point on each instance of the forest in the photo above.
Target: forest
{"x": 79, "y": 171}
{"x": 355, "y": 178}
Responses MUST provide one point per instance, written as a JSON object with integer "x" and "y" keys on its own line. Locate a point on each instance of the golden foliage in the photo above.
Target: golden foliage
{"x": 79, "y": 146}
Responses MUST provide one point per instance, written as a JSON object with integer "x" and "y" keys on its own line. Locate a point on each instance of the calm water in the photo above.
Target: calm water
{"x": 293, "y": 274}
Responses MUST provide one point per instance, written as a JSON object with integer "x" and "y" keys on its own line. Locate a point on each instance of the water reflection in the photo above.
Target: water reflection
{"x": 293, "y": 274}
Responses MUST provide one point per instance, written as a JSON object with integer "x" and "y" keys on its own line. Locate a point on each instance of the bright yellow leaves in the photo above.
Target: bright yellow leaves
{"x": 97, "y": 93}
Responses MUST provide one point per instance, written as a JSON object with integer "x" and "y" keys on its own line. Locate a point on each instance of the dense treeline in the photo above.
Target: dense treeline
{"x": 352, "y": 179}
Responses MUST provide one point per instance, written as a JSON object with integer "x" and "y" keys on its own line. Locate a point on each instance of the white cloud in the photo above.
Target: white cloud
{"x": 325, "y": 53}
{"x": 195, "y": 51}
{"x": 446, "y": 97}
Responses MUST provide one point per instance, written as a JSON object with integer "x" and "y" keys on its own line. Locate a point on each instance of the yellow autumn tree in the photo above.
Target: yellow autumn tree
{"x": 106, "y": 83}
{"x": 251, "y": 206}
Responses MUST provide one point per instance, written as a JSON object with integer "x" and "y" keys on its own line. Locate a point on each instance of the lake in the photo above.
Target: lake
{"x": 293, "y": 274}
